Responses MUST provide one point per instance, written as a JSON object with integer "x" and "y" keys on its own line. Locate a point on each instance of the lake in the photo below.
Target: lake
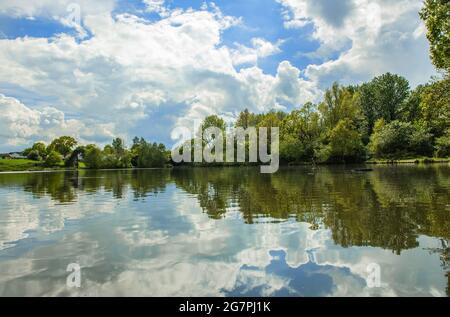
{"x": 304, "y": 231}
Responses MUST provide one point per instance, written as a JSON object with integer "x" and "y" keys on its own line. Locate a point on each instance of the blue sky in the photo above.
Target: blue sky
{"x": 122, "y": 68}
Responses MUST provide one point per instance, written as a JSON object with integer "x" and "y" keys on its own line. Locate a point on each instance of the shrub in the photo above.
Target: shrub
{"x": 399, "y": 139}
{"x": 53, "y": 159}
{"x": 93, "y": 157}
{"x": 442, "y": 148}
{"x": 34, "y": 155}
{"x": 345, "y": 143}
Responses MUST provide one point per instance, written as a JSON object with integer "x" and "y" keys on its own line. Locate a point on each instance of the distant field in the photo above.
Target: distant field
{"x": 20, "y": 165}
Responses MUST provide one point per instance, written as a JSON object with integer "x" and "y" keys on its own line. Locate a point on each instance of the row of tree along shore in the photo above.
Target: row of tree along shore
{"x": 378, "y": 121}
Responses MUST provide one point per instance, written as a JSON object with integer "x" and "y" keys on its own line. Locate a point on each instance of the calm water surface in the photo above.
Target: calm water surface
{"x": 227, "y": 232}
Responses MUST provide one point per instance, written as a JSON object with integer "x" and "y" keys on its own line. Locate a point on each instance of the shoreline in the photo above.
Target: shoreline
{"x": 418, "y": 161}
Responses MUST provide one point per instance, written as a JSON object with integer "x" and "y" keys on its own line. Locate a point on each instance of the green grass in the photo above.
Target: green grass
{"x": 20, "y": 165}
{"x": 417, "y": 160}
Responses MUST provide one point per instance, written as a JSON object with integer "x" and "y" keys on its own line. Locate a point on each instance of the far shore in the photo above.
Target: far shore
{"x": 27, "y": 166}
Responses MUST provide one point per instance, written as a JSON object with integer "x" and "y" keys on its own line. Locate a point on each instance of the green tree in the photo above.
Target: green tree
{"x": 399, "y": 140}
{"x": 151, "y": 155}
{"x": 300, "y": 132}
{"x": 63, "y": 145}
{"x": 383, "y": 98}
{"x": 93, "y": 156}
{"x": 436, "y": 15}
{"x": 410, "y": 109}
{"x": 116, "y": 155}
{"x": 435, "y": 107}
{"x": 53, "y": 159}
{"x": 118, "y": 146}
{"x": 345, "y": 143}
{"x": 39, "y": 149}
{"x": 442, "y": 148}
{"x": 34, "y": 155}
{"x": 337, "y": 105}
{"x": 74, "y": 157}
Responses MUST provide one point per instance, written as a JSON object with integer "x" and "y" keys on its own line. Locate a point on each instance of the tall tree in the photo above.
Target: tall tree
{"x": 435, "y": 107}
{"x": 436, "y": 15}
{"x": 63, "y": 145}
{"x": 383, "y": 98}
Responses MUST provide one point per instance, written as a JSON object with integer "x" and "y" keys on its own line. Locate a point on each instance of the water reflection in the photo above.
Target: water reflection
{"x": 300, "y": 232}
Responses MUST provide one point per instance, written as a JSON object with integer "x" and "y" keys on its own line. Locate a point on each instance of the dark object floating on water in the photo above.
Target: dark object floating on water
{"x": 363, "y": 170}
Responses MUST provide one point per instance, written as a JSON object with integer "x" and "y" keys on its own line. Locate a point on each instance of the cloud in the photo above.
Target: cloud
{"x": 131, "y": 67}
{"x": 250, "y": 55}
{"x": 134, "y": 74}
{"x": 54, "y": 9}
{"x": 370, "y": 37}
{"x": 20, "y": 124}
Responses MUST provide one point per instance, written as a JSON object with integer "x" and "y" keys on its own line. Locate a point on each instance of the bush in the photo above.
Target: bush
{"x": 93, "y": 157}
{"x": 151, "y": 155}
{"x": 442, "y": 148}
{"x": 53, "y": 159}
{"x": 399, "y": 140}
{"x": 345, "y": 143}
{"x": 34, "y": 155}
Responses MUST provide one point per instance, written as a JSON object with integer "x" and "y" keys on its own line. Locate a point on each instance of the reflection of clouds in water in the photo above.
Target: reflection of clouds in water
{"x": 309, "y": 279}
{"x": 17, "y": 220}
{"x": 23, "y": 214}
{"x": 164, "y": 245}
{"x": 42, "y": 270}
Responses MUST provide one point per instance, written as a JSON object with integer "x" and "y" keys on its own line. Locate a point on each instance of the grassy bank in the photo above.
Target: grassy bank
{"x": 419, "y": 160}
{"x": 20, "y": 165}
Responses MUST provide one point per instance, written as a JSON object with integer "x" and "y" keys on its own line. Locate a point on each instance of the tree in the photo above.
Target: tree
{"x": 442, "y": 148}
{"x": 73, "y": 159}
{"x": 345, "y": 143}
{"x": 212, "y": 121}
{"x": 151, "y": 155}
{"x": 135, "y": 149}
{"x": 63, "y": 145}
{"x": 436, "y": 15}
{"x": 435, "y": 107}
{"x": 383, "y": 98}
{"x": 40, "y": 148}
{"x": 300, "y": 132}
{"x": 247, "y": 119}
{"x": 93, "y": 157}
{"x": 34, "y": 155}
{"x": 410, "y": 109}
{"x": 53, "y": 159}
{"x": 399, "y": 139}
{"x": 337, "y": 105}
{"x": 118, "y": 146}
{"x": 39, "y": 151}
{"x": 116, "y": 155}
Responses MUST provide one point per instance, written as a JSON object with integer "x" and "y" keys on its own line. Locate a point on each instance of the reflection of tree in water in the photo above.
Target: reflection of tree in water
{"x": 65, "y": 187}
{"x": 444, "y": 254}
{"x": 388, "y": 208}
{"x": 214, "y": 189}
{"x": 57, "y": 186}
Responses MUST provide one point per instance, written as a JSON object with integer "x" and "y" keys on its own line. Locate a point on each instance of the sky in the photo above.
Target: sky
{"x": 101, "y": 69}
